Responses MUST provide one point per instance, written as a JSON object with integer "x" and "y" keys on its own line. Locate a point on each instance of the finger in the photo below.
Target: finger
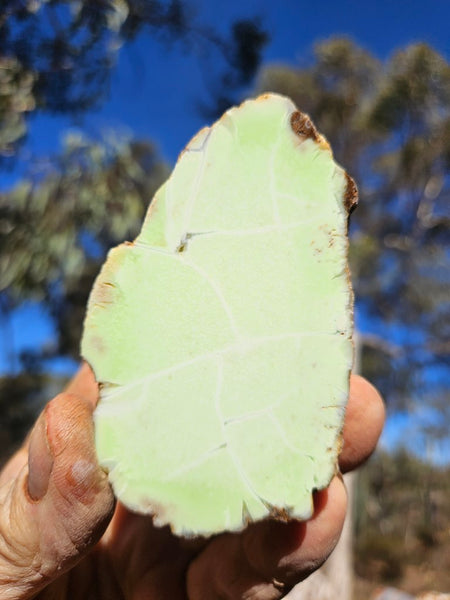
{"x": 363, "y": 425}
{"x": 59, "y": 504}
{"x": 84, "y": 384}
{"x": 152, "y": 559}
{"x": 269, "y": 557}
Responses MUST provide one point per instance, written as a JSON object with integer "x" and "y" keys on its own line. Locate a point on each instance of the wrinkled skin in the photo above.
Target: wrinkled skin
{"x": 62, "y": 536}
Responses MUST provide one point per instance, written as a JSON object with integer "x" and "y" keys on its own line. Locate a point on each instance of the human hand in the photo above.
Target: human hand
{"x": 62, "y": 537}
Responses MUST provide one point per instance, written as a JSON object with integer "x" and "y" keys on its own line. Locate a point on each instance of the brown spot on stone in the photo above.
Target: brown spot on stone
{"x": 103, "y": 293}
{"x": 97, "y": 343}
{"x": 246, "y": 516}
{"x": 275, "y": 512}
{"x": 351, "y": 195}
{"x": 302, "y": 125}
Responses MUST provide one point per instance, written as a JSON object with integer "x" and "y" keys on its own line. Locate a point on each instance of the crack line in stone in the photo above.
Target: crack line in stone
{"x": 241, "y": 345}
{"x": 254, "y": 414}
{"x": 195, "y": 463}
{"x": 234, "y": 458}
{"x": 283, "y": 435}
{"x": 198, "y": 178}
{"x": 273, "y": 192}
{"x": 189, "y": 148}
{"x": 217, "y": 290}
{"x": 119, "y": 388}
{"x": 264, "y": 229}
{"x": 225, "y": 232}
{"x": 170, "y": 193}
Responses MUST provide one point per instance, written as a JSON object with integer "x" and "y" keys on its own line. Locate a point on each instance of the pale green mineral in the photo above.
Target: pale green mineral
{"x": 222, "y": 336}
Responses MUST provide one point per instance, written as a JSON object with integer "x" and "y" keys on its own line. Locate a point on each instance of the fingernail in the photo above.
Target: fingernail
{"x": 40, "y": 460}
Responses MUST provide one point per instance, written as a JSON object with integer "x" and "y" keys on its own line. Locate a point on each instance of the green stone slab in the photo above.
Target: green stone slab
{"x": 222, "y": 336}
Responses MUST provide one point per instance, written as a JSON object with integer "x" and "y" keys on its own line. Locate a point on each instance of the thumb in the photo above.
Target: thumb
{"x": 59, "y": 504}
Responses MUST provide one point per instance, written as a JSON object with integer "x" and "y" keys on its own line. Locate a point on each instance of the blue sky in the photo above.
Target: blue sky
{"x": 154, "y": 89}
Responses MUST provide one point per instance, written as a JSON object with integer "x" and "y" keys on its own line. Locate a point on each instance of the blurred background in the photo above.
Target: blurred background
{"x": 96, "y": 101}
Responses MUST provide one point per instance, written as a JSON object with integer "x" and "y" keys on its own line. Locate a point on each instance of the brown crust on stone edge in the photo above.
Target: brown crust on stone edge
{"x": 351, "y": 195}
{"x": 280, "y": 514}
{"x": 302, "y": 125}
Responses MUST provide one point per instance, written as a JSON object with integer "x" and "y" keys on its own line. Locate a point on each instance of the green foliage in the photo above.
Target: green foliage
{"x": 16, "y": 99}
{"x": 417, "y": 87}
{"x": 380, "y": 557}
{"x": 402, "y": 518}
{"x": 57, "y": 55}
